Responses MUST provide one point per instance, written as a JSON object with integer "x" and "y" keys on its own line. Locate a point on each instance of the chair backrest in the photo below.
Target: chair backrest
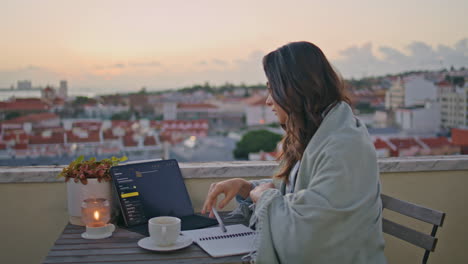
{"x": 425, "y": 241}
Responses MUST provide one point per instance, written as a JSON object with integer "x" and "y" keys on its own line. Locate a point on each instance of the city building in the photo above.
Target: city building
{"x": 24, "y": 85}
{"x": 23, "y": 106}
{"x": 176, "y": 131}
{"x": 48, "y": 93}
{"x": 98, "y": 110}
{"x": 460, "y": 138}
{"x": 34, "y": 121}
{"x": 419, "y": 119}
{"x": 258, "y": 113}
{"x": 63, "y": 89}
{"x": 454, "y": 107}
{"x": 198, "y": 111}
{"x": 414, "y": 146}
{"x": 410, "y": 91}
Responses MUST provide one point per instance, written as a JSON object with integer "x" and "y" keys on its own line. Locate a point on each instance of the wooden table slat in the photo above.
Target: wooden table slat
{"x": 75, "y": 241}
{"x": 207, "y": 260}
{"x": 97, "y": 245}
{"x": 167, "y": 258}
{"x": 114, "y": 235}
{"x": 108, "y": 251}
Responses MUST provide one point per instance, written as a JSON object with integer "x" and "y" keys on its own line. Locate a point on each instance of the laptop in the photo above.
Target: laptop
{"x": 154, "y": 188}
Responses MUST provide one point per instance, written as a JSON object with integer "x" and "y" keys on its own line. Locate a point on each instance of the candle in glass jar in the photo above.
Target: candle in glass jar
{"x": 95, "y": 212}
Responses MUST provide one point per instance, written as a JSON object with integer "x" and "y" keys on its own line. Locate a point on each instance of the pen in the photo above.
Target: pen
{"x": 220, "y": 221}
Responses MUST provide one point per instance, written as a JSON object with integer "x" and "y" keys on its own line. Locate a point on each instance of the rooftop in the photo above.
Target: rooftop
{"x": 33, "y": 118}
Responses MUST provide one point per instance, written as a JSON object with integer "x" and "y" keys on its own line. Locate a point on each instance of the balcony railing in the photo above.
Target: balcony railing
{"x": 34, "y": 203}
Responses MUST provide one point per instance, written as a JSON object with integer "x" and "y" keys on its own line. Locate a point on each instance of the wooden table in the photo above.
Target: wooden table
{"x": 122, "y": 248}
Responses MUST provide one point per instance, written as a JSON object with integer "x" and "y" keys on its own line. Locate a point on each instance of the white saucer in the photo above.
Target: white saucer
{"x": 148, "y": 243}
{"x": 89, "y": 236}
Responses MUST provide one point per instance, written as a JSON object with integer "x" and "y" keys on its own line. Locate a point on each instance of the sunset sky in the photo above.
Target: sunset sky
{"x": 123, "y": 45}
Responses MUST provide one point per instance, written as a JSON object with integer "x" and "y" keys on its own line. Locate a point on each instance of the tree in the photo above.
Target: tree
{"x": 143, "y": 90}
{"x": 255, "y": 141}
{"x": 81, "y": 100}
{"x": 126, "y": 115}
{"x": 12, "y": 115}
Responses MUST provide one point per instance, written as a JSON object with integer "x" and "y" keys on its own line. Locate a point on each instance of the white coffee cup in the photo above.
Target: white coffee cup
{"x": 164, "y": 230}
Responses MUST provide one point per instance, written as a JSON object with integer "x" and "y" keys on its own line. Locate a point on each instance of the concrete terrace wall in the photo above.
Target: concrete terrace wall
{"x": 34, "y": 203}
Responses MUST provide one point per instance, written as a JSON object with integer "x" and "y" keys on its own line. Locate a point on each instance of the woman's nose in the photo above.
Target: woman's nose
{"x": 269, "y": 100}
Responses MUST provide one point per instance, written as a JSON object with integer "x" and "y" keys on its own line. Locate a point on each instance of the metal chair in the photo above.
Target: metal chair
{"x": 427, "y": 242}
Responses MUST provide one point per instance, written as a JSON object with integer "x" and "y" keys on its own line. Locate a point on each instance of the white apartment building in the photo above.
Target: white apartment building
{"x": 258, "y": 113}
{"x": 419, "y": 119}
{"x": 63, "y": 89}
{"x": 410, "y": 91}
{"x": 454, "y": 108}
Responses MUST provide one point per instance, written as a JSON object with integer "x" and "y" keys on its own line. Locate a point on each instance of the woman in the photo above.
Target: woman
{"x": 323, "y": 206}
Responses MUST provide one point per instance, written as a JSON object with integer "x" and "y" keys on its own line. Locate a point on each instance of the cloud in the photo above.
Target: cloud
{"x": 219, "y": 62}
{"x": 360, "y": 61}
{"x": 355, "y": 61}
{"x": 32, "y": 68}
{"x": 146, "y": 64}
{"x": 110, "y": 66}
{"x": 212, "y": 62}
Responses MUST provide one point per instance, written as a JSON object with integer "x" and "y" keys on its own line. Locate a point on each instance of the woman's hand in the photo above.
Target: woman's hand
{"x": 230, "y": 188}
{"x": 256, "y": 193}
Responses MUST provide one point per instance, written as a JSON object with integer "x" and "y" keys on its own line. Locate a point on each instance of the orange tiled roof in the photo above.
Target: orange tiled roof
{"x": 24, "y": 105}
{"x": 166, "y": 123}
{"x": 107, "y": 134}
{"x": 128, "y": 141}
{"x": 149, "y": 141}
{"x": 196, "y": 106}
{"x": 87, "y": 124}
{"x": 380, "y": 144}
{"x": 58, "y": 101}
{"x": 27, "y": 100}
{"x": 93, "y": 136}
{"x": 436, "y": 142}
{"x": 55, "y": 138}
{"x": 460, "y": 137}
{"x": 190, "y": 130}
{"x": 404, "y": 142}
{"x": 138, "y": 99}
{"x": 122, "y": 123}
{"x": 20, "y": 146}
{"x": 33, "y": 118}
{"x": 444, "y": 83}
{"x": 16, "y": 136}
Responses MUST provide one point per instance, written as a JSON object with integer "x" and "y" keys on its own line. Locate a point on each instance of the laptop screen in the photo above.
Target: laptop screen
{"x": 151, "y": 189}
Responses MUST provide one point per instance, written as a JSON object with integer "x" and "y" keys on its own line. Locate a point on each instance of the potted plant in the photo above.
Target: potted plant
{"x": 88, "y": 179}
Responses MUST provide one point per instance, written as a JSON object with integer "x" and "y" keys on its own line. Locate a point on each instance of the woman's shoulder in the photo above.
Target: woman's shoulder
{"x": 341, "y": 125}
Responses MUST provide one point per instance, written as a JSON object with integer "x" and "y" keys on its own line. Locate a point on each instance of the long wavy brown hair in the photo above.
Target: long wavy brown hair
{"x": 304, "y": 84}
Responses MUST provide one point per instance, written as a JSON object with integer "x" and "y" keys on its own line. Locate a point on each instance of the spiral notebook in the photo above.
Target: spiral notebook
{"x": 237, "y": 240}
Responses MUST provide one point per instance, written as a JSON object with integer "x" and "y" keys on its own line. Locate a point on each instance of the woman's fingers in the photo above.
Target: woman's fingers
{"x": 210, "y": 201}
{"x": 228, "y": 187}
{"x": 228, "y": 197}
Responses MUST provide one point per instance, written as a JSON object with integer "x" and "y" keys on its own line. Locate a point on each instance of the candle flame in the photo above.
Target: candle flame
{"x": 96, "y": 215}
